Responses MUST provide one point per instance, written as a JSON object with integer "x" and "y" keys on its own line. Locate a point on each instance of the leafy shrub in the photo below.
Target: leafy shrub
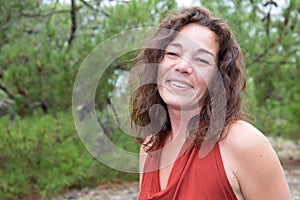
{"x": 42, "y": 155}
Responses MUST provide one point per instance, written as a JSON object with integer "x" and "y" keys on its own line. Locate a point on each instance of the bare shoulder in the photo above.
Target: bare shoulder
{"x": 254, "y": 162}
{"x": 249, "y": 146}
{"x": 243, "y": 136}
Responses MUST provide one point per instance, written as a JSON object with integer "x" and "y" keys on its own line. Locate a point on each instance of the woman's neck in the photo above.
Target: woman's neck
{"x": 179, "y": 121}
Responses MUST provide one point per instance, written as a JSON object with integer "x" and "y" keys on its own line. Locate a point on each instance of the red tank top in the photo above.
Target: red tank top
{"x": 191, "y": 178}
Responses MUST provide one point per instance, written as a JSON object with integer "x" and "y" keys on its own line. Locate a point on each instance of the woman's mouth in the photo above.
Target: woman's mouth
{"x": 180, "y": 84}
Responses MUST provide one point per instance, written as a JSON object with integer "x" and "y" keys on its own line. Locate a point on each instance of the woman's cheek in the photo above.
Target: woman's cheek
{"x": 204, "y": 76}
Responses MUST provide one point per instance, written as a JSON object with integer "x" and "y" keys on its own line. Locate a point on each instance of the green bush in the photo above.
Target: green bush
{"x": 42, "y": 155}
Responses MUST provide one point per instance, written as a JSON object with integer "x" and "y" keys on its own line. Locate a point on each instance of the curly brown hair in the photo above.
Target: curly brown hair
{"x": 230, "y": 66}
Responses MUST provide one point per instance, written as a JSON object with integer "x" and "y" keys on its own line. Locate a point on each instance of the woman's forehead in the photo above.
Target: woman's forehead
{"x": 197, "y": 37}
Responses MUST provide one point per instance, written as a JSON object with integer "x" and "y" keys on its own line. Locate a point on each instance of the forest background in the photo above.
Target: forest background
{"x": 42, "y": 45}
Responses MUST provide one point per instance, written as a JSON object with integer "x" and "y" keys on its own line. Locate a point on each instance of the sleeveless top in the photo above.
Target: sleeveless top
{"x": 191, "y": 178}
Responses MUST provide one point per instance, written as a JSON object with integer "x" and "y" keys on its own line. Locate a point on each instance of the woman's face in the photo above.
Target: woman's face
{"x": 187, "y": 67}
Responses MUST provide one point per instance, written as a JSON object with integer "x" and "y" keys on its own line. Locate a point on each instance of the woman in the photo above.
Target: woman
{"x": 194, "y": 69}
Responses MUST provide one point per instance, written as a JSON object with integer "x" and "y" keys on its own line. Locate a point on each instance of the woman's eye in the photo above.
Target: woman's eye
{"x": 203, "y": 61}
{"x": 170, "y": 53}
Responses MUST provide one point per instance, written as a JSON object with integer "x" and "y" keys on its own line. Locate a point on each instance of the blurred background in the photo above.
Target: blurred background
{"x": 43, "y": 43}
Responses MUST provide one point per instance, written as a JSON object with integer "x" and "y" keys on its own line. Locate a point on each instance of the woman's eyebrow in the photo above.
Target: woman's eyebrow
{"x": 201, "y": 50}
{"x": 175, "y": 44}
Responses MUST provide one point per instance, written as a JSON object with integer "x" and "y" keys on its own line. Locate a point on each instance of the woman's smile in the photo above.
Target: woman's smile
{"x": 179, "y": 84}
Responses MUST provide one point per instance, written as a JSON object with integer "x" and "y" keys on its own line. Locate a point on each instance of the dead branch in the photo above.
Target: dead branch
{"x": 43, "y": 15}
{"x": 94, "y": 9}
{"x": 74, "y": 22}
{"x": 5, "y": 90}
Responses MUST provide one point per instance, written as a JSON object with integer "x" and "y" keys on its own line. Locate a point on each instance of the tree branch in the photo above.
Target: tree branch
{"x": 5, "y": 90}
{"x": 269, "y": 3}
{"x": 44, "y": 15}
{"x": 74, "y": 22}
{"x": 88, "y": 5}
{"x": 52, "y": 10}
{"x": 258, "y": 57}
{"x": 94, "y": 9}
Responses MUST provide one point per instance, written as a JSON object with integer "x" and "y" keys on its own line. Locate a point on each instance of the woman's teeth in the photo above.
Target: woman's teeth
{"x": 180, "y": 84}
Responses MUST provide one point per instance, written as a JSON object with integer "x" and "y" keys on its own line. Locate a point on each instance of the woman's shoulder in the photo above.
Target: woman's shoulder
{"x": 252, "y": 159}
{"x": 248, "y": 148}
{"x": 243, "y": 136}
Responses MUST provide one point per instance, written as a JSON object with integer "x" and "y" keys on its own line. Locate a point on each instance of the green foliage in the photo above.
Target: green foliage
{"x": 40, "y": 156}
{"x": 269, "y": 35}
{"x": 38, "y": 62}
{"x": 124, "y": 17}
{"x": 36, "y": 68}
{"x": 134, "y": 15}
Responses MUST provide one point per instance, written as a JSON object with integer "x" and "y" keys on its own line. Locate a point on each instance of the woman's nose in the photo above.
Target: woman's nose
{"x": 184, "y": 66}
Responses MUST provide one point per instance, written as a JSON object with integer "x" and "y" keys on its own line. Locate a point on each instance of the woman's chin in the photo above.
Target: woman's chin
{"x": 182, "y": 105}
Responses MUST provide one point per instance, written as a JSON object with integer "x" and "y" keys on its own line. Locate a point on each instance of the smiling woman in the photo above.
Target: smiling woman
{"x": 187, "y": 67}
{"x": 192, "y": 59}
